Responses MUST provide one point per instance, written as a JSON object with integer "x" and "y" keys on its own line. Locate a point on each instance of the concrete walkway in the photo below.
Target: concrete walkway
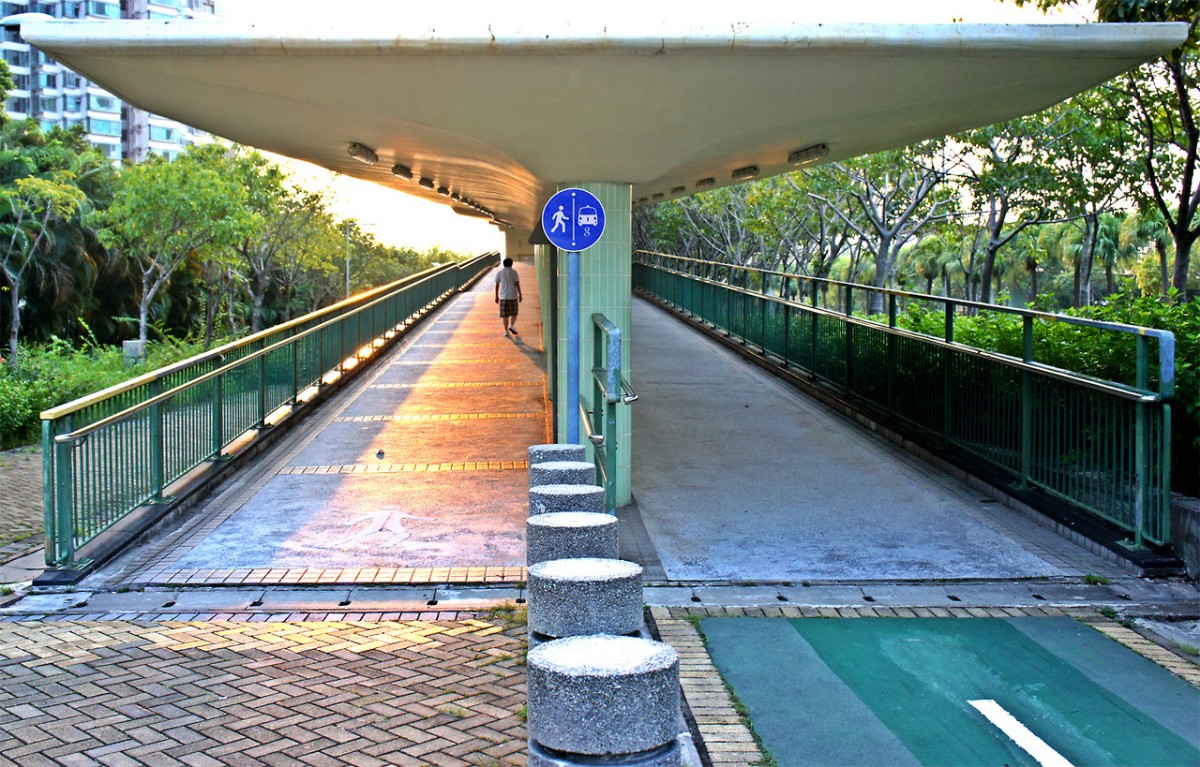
{"x": 739, "y": 477}
{"x": 418, "y": 474}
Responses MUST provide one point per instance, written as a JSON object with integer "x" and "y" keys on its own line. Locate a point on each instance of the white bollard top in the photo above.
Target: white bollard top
{"x": 585, "y": 569}
{"x": 603, "y": 656}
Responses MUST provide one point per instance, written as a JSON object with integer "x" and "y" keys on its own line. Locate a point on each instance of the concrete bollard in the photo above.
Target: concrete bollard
{"x": 571, "y": 535}
{"x": 547, "y": 499}
{"x": 559, "y": 451}
{"x": 576, "y": 597}
{"x": 562, "y": 473}
{"x": 603, "y": 699}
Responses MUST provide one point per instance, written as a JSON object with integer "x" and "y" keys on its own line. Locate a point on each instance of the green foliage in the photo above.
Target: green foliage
{"x": 56, "y": 373}
{"x": 1098, "y": 353}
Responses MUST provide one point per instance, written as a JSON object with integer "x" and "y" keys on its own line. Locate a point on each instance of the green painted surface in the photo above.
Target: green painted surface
{"x": 879, "y": 691}
{"x": 917, "y": 676}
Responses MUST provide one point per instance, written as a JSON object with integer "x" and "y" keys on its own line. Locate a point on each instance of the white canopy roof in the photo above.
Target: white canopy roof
{"x": 501, "y": 113}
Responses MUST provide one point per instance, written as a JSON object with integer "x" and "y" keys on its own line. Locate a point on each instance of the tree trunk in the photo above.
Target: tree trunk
{"x": 210, "y": 317}
{"x": 1083, "y": 293}
{"x": 14, "y": 332}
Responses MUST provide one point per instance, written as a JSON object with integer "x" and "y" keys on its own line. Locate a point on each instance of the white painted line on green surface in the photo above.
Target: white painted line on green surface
{"x": 1020, "y": 734}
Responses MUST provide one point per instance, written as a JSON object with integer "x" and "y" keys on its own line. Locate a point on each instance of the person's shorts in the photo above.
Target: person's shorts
{"x": 508, "y": 307}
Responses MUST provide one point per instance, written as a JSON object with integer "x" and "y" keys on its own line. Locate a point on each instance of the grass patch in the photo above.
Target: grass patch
{"x": 5, "y": 590}
{"x": 510, "y": 614}
{"x": 1189, "y": 649}
{"x": 523, "y": 712}
{"x": 1092, "y": 579}
{"x": 455, "y": 711}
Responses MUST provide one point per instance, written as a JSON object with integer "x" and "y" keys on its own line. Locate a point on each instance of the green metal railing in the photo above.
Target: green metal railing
{"x": 1104, "y": 446}
{"x": 109, "y": 453}
{"x": 609, "y": 389}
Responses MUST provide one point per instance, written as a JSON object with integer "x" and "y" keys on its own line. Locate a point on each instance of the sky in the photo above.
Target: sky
{"x": 402, "y": 220}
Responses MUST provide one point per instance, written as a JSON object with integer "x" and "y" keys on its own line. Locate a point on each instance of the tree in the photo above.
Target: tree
{"x": 894, "y": 191}
{"x": 163, "y": 212}
{"x": 27, "y": 209}
{"x": 1004, "y": 175}
{"x": 1157, "y": 105}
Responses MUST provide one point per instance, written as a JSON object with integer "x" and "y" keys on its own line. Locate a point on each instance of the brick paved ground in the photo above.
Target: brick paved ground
{"x": 165, "y": 693}
{"x": 20, "y": 502}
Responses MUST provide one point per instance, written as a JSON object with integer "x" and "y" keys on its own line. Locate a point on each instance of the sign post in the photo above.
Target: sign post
{"x": 573, "y": 220}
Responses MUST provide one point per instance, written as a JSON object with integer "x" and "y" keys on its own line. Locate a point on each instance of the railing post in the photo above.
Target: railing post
{"x": 891, "y": 354}
{"x": 1027, "y": 403}
{"x": 64, "y": 498}
{"x": 947, "y": 378}
{"x": 218, "y": 414}
{"x": 157, "y": 459}
{"x": 1142, "y": 448}
{"x": 262, "y": 391}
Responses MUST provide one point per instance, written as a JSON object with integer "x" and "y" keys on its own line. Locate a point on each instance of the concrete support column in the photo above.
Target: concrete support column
{"x": 605, "y": 286}
{"x": 517, "y": 247}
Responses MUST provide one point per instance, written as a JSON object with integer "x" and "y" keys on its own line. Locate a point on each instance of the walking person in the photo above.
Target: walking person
{"x": 508, "y": 295}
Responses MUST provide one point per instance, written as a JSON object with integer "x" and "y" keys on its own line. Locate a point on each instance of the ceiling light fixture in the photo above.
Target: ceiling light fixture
{"x": 705, "y": 183}
{"x": 443, "y": 191}
{"x": 402, "y": 171}
{"x": 745, "y": 174}
{"x": 362, "y": 153}
{"x": 679, "y": 190}
{"x": 426, "y": 183}
{"x": 809, "y": 154}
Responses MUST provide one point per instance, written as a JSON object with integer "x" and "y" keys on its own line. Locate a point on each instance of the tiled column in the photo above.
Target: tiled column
{"x": 605, "y": 287}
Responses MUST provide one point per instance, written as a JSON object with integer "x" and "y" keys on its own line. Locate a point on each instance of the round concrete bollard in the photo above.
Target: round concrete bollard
{"x": 561, "y": 451}
{"x": 670, "y": 755}
{"x": 562, "y": 473}
{"x": 547, "y": 499}
{"x": 603, "y": 696}
{"x": 571, "y": 535}
{"x": 576, "y": 597}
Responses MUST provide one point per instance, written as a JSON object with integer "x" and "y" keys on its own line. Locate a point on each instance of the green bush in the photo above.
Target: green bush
{"x": 55, "y": 373}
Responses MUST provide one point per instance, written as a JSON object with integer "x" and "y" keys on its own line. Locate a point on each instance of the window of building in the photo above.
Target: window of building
{"x": 47, "y": 80}
{"x": 46, "y": 8}
{"x": 111, "y": 151}
{"x": 21, "y": 82}
{"x": 104, "y": 127}
{"x": 71, "y": 80}
{"x": 72, "y": 103}
{"x": 17, "y": 58}
{"x": 48, "y": 104}
{"x": 103, "y": 103}
{"x": 17, "y": 104}
{"x": 48, "y": 125}
{"x": 12, "y": 34}
{"x": 161, "y": 133}
{"x": 71, "y": 9}
{"x": 11, "y": 8}
{"x": 107, "y": 10}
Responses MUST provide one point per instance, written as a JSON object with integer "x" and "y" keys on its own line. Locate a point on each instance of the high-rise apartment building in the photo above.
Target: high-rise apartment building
{"x": 54, "y": 95}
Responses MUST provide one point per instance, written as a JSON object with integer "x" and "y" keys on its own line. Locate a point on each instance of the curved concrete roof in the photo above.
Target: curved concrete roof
{"x": 501, "y": 115}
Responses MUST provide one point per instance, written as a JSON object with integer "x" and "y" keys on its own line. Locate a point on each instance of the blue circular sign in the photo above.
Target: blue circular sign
{"x": 573, "y": 219}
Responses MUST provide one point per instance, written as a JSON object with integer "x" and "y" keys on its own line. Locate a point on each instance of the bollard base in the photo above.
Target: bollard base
{"x": 667, "y": 755}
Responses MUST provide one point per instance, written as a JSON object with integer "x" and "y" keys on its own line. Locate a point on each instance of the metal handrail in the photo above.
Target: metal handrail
{"x": 1115, "y": 388}
{"x": 609, "y": 389}
{"x": 75, "y": 405}
{"x": 1165, "y": 338}
{"x": 129, "y": 412}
